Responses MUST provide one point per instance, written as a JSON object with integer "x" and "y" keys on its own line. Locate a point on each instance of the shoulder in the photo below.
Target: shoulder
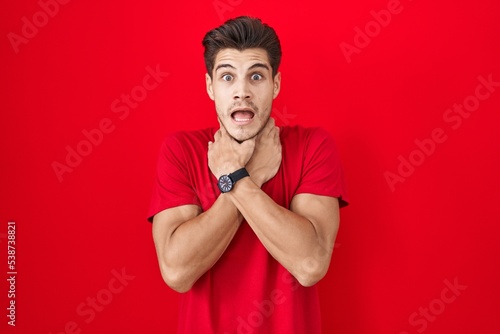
{"x": 184, "y": 146}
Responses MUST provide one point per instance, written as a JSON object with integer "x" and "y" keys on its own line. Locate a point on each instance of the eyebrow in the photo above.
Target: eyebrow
{"x": 256, "y": 65}
{"x": 259, "y": 65}
{"x": 224, "y": 66}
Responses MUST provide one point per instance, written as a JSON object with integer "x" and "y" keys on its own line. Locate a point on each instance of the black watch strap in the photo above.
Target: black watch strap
{"x": 239, "y": 174}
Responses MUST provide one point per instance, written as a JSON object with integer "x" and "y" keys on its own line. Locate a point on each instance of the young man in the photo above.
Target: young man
{"x": 245, "y": 216}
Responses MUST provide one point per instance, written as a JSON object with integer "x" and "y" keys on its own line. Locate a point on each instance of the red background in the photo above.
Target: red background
{"x": 397, "y": 247}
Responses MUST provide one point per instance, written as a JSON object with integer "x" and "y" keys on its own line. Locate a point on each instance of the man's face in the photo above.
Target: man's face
{"x": 243, "y": 89}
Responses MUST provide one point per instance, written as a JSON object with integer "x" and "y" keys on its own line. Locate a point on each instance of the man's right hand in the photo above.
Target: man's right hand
{"x": 266, "y": 158}
{"x": 226, "y": 155}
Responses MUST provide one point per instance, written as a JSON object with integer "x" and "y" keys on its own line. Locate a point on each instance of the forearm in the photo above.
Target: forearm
{"x": 289, "y": 237}
{"x": 196, "y": 245}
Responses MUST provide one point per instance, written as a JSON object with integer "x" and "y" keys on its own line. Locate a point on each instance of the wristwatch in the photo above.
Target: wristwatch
{"x": 226, "y": 182}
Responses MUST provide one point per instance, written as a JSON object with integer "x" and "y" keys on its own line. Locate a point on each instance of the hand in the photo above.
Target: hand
{"x": 266, "y": 158}
{"x": 226, "y": 155}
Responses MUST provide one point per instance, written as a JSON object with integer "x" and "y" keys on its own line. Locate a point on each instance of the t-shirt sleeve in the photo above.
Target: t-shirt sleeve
{"x": 322, "y": 172}
{"x": 172, "y": 186}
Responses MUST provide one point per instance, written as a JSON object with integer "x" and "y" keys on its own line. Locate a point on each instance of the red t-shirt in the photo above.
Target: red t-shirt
{"x": 247, "y": 290}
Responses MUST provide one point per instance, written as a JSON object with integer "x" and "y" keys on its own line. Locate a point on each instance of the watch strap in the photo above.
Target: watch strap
{"x": 239, "y": 174}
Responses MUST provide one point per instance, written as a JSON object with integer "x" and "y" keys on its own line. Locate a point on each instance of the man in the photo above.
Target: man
{"x": 245, "y": 217}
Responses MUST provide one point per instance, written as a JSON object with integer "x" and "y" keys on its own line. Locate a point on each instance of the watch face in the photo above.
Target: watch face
{"x": 225, "y": 183}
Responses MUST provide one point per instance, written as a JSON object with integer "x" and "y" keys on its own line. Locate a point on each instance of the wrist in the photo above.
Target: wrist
{"x": 228, "y": 169}
{"x": 245, "y": 183}
{"x": 258, "y": 182}
{"x": 226, "y": 182}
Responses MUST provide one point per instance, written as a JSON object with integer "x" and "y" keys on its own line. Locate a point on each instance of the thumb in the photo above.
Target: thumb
{"x": 249, "y": 143}
{"x": 222, "y": 129}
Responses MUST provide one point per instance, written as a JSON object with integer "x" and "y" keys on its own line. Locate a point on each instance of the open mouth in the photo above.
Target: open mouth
{"x": 242, "y": 116}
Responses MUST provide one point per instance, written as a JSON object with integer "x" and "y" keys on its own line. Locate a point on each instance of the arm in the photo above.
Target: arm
{"x": 301, "y": 238}
{"x": 189, "y": 243}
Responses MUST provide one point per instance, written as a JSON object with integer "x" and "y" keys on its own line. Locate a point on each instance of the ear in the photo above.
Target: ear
{"x": 276, "y": 84}
{"x": 210, "y": 90}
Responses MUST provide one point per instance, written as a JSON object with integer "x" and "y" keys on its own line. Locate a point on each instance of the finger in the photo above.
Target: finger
{"x": 216, "y": 136}
{"x": 248, "y": 144}
{"x": 270, "y": 124}
{"x": 223, "y": 132}
{"x": 266, "y": 130}
{"x": 222, "y": 129}
{"x": 277, "y": 137}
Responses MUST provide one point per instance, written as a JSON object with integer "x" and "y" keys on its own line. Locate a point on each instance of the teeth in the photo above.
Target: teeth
{"x": 242, "y": 119}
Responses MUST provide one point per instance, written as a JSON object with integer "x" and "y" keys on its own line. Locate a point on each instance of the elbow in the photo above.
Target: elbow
{"x": 311, "y": 272}
{"x": 308, "y": 280}
{"x": 179, "y": 286}
{"x": 176, "y": 279}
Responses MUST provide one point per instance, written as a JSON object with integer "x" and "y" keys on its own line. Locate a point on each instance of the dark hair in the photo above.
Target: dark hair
{"x": 242, "y": 33}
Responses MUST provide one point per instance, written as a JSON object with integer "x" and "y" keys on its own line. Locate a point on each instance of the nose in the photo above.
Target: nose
{"x": 242, "y": 91}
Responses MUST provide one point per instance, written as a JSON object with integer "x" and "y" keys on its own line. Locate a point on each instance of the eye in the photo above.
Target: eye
{"x": 256, "y": 76}
{"x": 227, "y": 77}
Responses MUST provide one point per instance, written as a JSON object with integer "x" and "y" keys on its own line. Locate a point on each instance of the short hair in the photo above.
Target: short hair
{"x": 242, "y": 33}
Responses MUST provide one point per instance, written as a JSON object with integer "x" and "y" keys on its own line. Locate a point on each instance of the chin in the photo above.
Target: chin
{"x": 239, "y": 137}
